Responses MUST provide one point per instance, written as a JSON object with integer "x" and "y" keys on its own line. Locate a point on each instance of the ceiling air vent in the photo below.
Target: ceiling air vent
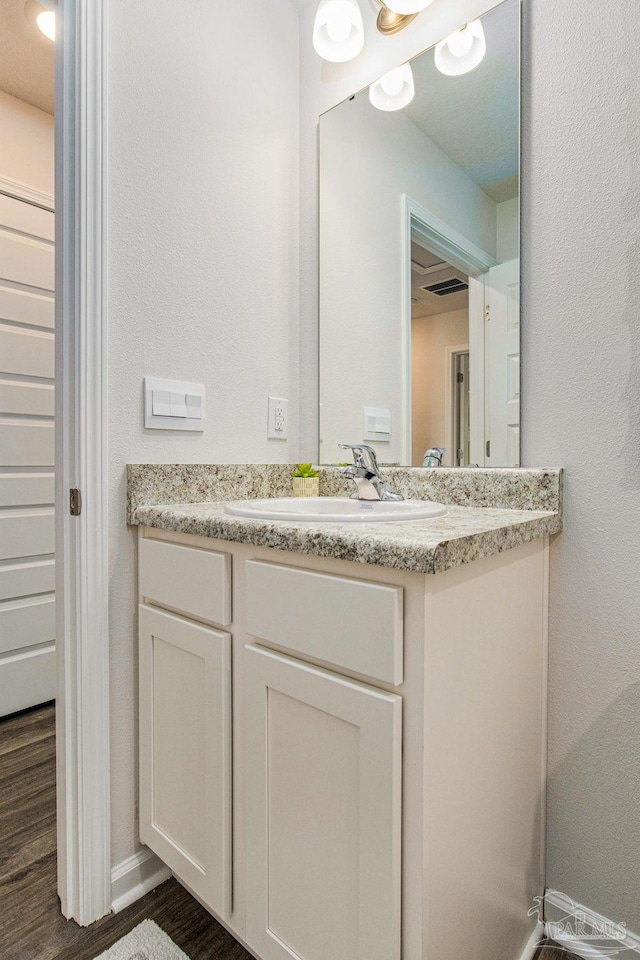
{"x": 446, "y": 287}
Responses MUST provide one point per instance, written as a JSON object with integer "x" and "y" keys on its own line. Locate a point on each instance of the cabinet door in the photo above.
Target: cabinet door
{"x": 185, "y": 751}
{"x": 323, "y": 813}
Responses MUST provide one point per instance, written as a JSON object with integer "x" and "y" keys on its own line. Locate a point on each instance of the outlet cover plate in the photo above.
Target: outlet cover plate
{"x": 278, "y": 420}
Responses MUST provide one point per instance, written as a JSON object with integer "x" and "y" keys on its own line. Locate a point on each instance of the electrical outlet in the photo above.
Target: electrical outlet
{"x": 278, "y": 421}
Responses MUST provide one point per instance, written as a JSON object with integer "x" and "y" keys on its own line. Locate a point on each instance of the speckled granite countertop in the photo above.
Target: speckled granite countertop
{"x": 468, "y": 532}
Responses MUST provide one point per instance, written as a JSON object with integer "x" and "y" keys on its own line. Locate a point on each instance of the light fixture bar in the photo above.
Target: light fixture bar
{"x": 395, "y": 15}
{"x": 390, "y": 22}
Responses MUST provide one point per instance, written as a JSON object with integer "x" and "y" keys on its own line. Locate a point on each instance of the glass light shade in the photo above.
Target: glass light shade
{"x": 463, "y": 51}
{"x": 338, "y": 31}
{"x": 47, "y": 23}
{"x": 407, "y": 6}
{"x": 394, "y": 90}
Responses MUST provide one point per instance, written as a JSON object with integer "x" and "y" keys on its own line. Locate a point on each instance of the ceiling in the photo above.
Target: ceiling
{"x": 474, "y": 118}
{"x": 26, "y": 58}
{"x": 427, "y": 270}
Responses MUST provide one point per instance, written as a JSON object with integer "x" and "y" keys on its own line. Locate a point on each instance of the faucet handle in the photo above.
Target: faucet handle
{"x": 363, "y": 455}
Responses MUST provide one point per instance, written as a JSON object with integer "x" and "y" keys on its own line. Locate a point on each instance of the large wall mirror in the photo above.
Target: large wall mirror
{"x": 420, "y": 258}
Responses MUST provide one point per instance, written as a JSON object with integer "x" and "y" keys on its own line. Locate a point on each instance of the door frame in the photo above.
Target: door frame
{"x": 82, "y": 716}
{"x": 457, "y": 250}
{"x": 450, "y": 353}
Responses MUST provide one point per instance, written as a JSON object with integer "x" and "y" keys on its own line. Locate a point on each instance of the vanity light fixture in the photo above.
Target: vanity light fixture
{"x": 394, "y": 90}
{"x": 395, "y": 15}
{"x": 463, "y": 51}
{"x": 42, "y": 13}
{"x": 338, "y": 31}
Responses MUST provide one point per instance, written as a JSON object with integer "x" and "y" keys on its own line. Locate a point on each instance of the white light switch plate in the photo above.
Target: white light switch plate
{"x": 377, "y": 424}
{"x": 173, "y": 405}
{"x": 278, "y": 422}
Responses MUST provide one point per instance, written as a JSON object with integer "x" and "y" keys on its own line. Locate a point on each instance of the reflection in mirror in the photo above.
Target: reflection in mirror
{"x": 419, "y": 261}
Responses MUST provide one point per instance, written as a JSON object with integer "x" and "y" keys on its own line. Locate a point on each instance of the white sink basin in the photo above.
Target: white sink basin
{"x": 336, "y": 510}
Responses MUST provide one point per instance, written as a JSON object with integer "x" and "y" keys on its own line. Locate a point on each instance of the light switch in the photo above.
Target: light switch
{"x": 194, "y": 406}
{"x": 173, "y": 405}
{"x": 161, "y": 403}
{"x": 377, "y": 424}
{"x": 178, "y": 405}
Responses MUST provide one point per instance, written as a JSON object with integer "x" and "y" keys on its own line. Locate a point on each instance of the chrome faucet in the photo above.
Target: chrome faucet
{"x": 365, "y": 473}
{"x": 433, "y": 457}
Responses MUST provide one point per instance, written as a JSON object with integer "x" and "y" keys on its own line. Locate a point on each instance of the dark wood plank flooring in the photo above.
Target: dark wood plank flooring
{"x": 31, "y": 925}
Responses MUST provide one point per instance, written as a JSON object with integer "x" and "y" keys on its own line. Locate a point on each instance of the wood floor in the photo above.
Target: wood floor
{"x": 31, "y": 925}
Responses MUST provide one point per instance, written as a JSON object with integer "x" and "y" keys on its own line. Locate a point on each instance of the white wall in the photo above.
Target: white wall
{"x": 581, "y": 409}
{"x": 203, "y": 264}
{"x": 430, "y": 336}
{"x": 369, "y": 159}
{"x": 508, "y": 230}
{"x": 26, "y": 144}
{"x": 581, "y": 395}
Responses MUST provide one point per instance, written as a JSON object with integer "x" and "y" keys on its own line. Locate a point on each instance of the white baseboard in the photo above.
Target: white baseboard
{"x": 533, "y": 942}
{"x": 136, "y": 876}
{"x": 586, "y": 933}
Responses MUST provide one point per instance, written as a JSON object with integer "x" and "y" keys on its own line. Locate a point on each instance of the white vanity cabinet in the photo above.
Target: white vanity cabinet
{"x": 323, "y": 813}
{"x": 388, "y": 747}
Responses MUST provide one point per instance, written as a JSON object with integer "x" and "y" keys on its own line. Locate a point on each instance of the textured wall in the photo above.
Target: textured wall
{"x": 581, "y": 394}
{"x": 581, "y": 410}
{"x": 203, "y": 275}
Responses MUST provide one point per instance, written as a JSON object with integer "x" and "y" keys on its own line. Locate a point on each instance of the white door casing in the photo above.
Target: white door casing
{"x": 82, "y": 717}
{"x": 502, "y": 291}
{"x": 323, "y": 771}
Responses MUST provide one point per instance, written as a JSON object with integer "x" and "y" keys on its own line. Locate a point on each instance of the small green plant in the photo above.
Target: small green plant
{"x": 305, "y": 470}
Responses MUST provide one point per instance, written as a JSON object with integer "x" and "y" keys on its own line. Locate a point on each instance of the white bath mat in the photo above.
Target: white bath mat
{"x": 146, "y": 942}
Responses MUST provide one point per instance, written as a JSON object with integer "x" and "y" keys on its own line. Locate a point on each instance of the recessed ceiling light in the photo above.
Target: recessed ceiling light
{"x": 43, "y": 16}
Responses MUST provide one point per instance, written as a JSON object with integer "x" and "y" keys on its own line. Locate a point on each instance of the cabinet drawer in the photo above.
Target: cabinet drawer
{"x": 353, "y": 624}
{"x": 194, "y": 582}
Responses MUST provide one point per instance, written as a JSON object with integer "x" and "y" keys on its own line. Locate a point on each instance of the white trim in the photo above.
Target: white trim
{"x": 573, "y": 926}
{"x": 20, "y": 191}
{"x": 533, "y": 942}
{"x": 84, "y": 858}
{"x": 449, "y": 427}
{"x": 406, "y": 410}
{"x": 446, "y": 241}
{"x": 136, "y": 876}
{"x": 477, "y": 369}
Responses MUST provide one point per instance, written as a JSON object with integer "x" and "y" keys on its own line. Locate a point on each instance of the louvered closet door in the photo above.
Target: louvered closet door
{"x": 27, "y": 600}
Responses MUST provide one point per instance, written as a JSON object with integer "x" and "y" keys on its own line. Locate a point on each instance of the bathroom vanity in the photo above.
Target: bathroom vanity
{"x": 342, "y": 732}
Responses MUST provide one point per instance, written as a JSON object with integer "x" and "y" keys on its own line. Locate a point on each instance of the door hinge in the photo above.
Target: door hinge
{"x": 487, "y": 312}
{"x": 460, "y": 454}
{"x": 75, "y": 502}
{"x": 461, "y": 378}
{"x": 488, "y": 448}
